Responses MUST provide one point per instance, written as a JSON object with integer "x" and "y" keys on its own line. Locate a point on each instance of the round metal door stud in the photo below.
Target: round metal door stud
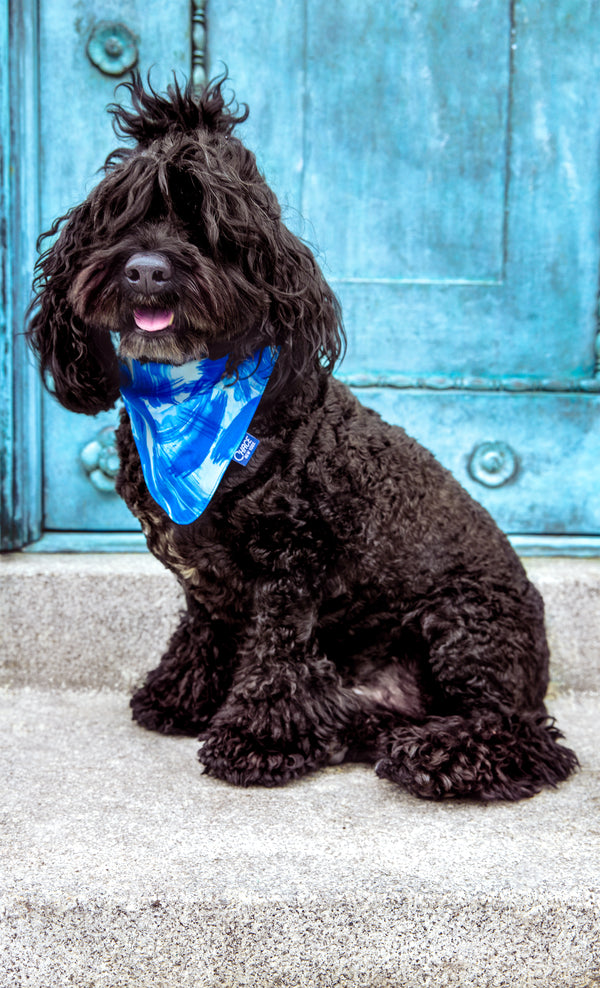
{"x": 493, "y": 464}
{"x": 112, "y": 48}
{"x": 101, "y": 461}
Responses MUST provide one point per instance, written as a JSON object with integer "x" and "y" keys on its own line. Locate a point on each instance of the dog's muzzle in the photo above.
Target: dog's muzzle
{"x": 148, "y": 272}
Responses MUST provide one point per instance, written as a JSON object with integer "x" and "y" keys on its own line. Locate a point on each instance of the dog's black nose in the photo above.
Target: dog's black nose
{"x": 148, "y": 272}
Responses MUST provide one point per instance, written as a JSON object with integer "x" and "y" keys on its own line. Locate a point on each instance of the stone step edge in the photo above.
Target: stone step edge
{"x": 102, "y": 620}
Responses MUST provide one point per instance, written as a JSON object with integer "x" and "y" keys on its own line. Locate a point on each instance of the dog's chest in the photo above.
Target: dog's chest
{"x": 203, "y": 563}
{"x": 200, "y": 556}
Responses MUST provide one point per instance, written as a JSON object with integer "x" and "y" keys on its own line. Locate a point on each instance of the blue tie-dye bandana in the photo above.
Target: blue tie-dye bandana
{"x": 188, "y": 422}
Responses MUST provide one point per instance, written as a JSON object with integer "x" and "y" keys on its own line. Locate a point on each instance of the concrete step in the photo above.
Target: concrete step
{"x": 123, "y": 866}
{"x": 101, "y": 621}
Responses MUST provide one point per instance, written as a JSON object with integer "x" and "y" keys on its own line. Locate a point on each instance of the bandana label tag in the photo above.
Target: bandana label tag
{"x": 245, "y": 450}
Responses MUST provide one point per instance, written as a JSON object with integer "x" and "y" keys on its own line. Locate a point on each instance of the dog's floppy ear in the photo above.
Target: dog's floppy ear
{"x": 78, "y": 362}
{"x": 305, "y": 318}
{"x": 305, "y": 312}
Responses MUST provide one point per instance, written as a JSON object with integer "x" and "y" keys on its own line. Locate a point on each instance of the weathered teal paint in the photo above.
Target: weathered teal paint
{"x": 445, "y": 159}
{"x": 467, "y": 242}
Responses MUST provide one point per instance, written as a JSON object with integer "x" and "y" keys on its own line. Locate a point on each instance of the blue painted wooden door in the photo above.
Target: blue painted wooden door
{"x": 444, "y": 158}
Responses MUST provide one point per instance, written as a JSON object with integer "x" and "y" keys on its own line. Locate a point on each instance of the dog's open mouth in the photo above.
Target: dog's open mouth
{"x": 153, "y": 320}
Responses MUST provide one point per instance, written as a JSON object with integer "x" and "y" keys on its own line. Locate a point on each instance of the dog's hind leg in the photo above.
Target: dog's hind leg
{"x": 487, "y": 734}
{"x": 489, "y": 756}
{"x": 183, "y": 692}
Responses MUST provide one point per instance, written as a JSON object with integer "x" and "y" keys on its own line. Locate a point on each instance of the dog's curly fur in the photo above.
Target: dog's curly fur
{"x": 345, "y": 596}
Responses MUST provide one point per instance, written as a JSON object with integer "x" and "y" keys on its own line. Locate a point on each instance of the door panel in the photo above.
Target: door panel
{"x": 488, "y": 253}
{"x": 509, "y": 452}
{"x": 419, "y": 151}
{"x": 448, "y": 170}
{"x": 76, "y": 132}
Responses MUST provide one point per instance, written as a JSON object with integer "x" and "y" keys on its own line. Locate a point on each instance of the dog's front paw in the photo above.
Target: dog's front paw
{"x": 237, "y": 757}
{"x": 156, "y": 712}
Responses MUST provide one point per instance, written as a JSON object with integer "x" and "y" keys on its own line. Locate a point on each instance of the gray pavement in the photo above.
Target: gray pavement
{"x": 122, "y": 865}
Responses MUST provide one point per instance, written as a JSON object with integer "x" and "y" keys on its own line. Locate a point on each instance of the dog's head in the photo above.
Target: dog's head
{"x": 178, "y": 253}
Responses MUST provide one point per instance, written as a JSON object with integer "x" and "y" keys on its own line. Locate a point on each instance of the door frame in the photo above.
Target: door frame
{"x": 21, "y": 511}
{"x": 21, "y": 469}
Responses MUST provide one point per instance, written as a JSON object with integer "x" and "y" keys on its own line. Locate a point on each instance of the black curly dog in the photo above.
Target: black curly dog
{"x": 346, "y": 599}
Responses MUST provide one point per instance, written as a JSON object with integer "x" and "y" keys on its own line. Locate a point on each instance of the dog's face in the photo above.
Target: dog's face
{"x": 178, "y": 253}
{"x": 173, "y": 276}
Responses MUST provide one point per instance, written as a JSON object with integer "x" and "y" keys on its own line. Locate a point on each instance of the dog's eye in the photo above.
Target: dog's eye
{"x": 185, "y": 194}
{"x": 157, "y": 208}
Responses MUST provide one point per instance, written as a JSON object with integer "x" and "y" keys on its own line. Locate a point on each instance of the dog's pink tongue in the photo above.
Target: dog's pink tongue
{"x": 152, "y": 320}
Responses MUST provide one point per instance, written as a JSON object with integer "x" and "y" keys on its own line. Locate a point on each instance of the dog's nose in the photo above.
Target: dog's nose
{"x": 148, "y": 272}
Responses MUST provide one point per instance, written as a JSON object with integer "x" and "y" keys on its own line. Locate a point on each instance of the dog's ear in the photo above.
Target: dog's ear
{"x": 305, "y": 317}
{"x": 153, "y": 116}
{"x": 78, "y": 363}
{"x": 305, "y": 311}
